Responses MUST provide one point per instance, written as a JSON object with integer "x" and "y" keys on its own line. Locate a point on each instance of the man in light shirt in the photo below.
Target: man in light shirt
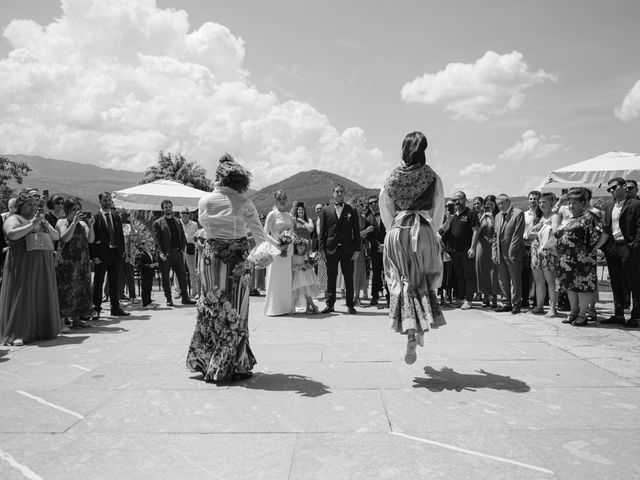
{"x": 190, "y": 228}
{"x": 530, "y": 216}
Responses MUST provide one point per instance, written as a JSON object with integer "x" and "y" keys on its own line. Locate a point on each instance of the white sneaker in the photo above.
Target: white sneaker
{"x": 17, "y": 342}
{"x": 466, "y": 305}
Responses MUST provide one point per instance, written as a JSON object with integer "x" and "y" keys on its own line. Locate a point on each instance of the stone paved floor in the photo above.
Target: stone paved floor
{"x": 491, "y": 396}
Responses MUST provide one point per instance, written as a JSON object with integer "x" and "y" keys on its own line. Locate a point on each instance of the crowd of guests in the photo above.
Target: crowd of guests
{"x": 48, "y": 259}
{"x": 546, "y": 255}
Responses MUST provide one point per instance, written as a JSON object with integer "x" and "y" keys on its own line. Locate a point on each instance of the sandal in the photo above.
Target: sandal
{"x": 410, "y": 355}
{"x": 580, "y": 321}
{"x": 570, "y": 318}
{"x": 80, "y": 324}
{"x": 551, "y": 314}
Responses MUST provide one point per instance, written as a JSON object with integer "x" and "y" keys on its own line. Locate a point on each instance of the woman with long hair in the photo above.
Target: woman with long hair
{"x": 219, "y": 347}
{"x": 279, "y": 274}
{"x": 486, "y": 270}
{"x": 412, "y": 210}
{"x": 302, "y": 226}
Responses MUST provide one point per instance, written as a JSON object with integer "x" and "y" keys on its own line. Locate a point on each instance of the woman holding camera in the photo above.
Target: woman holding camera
{"x": 74, "y": 266}
{"x": 29, "y": 295}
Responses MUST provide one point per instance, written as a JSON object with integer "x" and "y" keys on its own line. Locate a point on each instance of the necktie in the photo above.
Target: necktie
{"x": 112, "y": 237}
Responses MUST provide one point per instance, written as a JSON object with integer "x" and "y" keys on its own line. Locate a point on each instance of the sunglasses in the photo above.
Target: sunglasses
{"x": 373, "y": 202}
{"x": 613, "y": 188}
{"x": 629, "y": 189}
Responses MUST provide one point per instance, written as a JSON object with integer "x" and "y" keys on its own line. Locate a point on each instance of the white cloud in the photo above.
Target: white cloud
{"x": 477, "y": 169}
{"x": 491, "y": 86}
{"x": 532, "y": 146}
{"x": 630, "y": 107}
{"x": 111, "y": 82}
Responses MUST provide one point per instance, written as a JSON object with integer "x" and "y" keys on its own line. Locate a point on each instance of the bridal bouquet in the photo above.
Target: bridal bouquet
{"x": 286, "y": 237}
{"x": 312, "y": 259}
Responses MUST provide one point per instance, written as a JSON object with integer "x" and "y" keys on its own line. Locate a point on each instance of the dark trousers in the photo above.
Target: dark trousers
{"x": 624, "y": 270}
{"x": 527, "y": 276}
{"x": 346, "y": 265}
{"x": 127, "y": 278}
{"x": 465, "y": 270}
{"x": 376, "y": 276}
{"x": 111, "y": 266}
{"x": 147, "y": 285}
{"x": 174, "y": 260}
{"x": 510, "y": 280}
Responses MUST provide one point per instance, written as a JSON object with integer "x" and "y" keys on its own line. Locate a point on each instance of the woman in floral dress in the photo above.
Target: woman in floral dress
{"x": 412, "y": 210}
{"x": 578, "y": 242}
{"x": 74, "y": 266}
{"x": 219, "y": 347}
{"x": 544, "y": 255}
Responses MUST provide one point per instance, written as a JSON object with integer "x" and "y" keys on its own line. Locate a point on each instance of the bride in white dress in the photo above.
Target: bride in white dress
{"x": 279, "y": 300}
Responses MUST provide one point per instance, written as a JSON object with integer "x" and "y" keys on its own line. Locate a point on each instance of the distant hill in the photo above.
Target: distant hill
{"x": 73, "y": 178}
{"x": 310, "y": 187}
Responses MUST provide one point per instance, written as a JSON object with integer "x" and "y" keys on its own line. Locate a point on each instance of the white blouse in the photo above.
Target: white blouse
{"x": 227, "y": 214}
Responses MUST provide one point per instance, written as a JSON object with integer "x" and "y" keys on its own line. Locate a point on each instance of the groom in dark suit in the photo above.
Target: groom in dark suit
{"x": 170, "y": 242}
{"x": 375, "y": 236}
{"x": 107, "y": 251}
{"x": 339, "y": 243}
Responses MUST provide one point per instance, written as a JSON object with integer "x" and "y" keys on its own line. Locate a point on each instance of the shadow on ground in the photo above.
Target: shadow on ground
{"x": 63, "y": 340}
{"x": 281, "y": 382}
{"x": 2, "y": 355}
{"x": 448, "y": 379}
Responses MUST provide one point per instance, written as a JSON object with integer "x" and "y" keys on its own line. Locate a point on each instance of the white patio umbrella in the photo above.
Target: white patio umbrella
{"x": 149, "y": 196}
{"x": 593, "y": 173}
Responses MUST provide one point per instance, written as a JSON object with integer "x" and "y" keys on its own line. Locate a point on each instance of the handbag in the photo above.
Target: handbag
{"x": 191, "y": 249}
{"x": 39, "y": 241}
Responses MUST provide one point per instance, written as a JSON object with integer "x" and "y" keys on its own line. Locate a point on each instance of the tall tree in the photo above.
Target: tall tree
{"x": 176, "y": 167}
{"x": 10, "y": 170}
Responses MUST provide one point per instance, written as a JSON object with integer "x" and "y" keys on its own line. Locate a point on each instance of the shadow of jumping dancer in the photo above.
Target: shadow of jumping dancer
{"x": 281, "y": 382}
{"x": 449, "y": 379}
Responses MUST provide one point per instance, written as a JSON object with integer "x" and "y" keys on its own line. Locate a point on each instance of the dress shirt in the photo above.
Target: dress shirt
{"x": 339, "y": 209}
{"x": 190, "y": 230}
{"x": 528, "y": 225}
{"x": 109, "y": 221}
{"x": 615, "y": 221}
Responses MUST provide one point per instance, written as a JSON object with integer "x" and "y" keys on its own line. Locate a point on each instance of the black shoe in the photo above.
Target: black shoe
{"x": 327, "y": 309}
{"x": 95, "y": 316}
{"x": 188, "y": 301}
{"x": 504, "y": 308}
{"x": 632, "y": 323}
{"x": 351, "y": 310}
{"x": 373, "y": 302}
{"x": 169, "y": 303}
{"x": 120, "y": 313}
{"x": 515, "y": 310}
{"x": 613, "y": 320}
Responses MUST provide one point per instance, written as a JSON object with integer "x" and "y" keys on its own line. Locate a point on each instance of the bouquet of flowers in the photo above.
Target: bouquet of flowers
{"x": 262, "y": 255}
{"x": 286, "y": 237}
{"x": 312, "y": 259}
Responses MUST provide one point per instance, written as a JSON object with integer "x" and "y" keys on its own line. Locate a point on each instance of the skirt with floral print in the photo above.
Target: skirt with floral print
{"x": 219, "y": 347}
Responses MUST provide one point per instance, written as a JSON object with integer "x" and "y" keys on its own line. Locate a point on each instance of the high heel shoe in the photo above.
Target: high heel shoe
{"x": 570, "y": 318}
{"x": 580, "y": 321}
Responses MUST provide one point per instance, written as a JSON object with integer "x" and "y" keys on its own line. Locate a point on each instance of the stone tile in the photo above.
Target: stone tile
{"x": 384, "y": 455}
{"x": 269, "y": 353}
{"x": 97, "y": 457}
{"x": 290, "y": 337}
{"x": 494, "y": 408}
{"x": 22, "y": 414}
{"x": 17, "y": 374}
{"x": 248, "y": 408}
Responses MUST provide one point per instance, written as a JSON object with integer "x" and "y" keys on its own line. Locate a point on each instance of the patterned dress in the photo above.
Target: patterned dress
{"x": 412, "y": 207}
{"x": 543, "y": 258}
{"x": 73, "y": 274}
{"x": 577, "y": 257}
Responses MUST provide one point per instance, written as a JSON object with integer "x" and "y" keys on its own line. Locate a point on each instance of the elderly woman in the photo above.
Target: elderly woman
{"x": 486, "y": 270}
{"x": 29, "y": 296}
{"x": 578, "y": 241}
{"x": 412, "y": 210}
{"x": 219, "y": 347}
{"x": 279, "y": 275}
{"x": 74, "y": 265}
{"x": 544, "y": 255}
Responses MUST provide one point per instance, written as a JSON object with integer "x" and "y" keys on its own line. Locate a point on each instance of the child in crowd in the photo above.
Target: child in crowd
{"x": 147, "y": 264}
{"x": 305, "y": 282}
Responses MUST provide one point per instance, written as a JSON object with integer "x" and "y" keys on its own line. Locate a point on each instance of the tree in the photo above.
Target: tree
{"x": 10, "y": 170}
{"x": 176, "y": 167}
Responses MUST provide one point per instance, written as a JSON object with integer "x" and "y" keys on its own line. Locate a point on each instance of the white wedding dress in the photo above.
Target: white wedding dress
{"x": 279, "y": 299}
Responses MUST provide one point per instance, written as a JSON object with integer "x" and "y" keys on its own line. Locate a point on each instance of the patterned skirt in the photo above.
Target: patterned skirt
{"x": 413, "y": 278}
{"x": 219, "y": 347}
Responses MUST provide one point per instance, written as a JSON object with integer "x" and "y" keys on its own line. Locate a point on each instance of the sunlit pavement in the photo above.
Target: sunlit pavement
{"x": 491, "y": 396}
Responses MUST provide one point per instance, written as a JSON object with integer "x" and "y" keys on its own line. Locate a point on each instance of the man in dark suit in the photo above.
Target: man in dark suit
{"x": 508, "y": 252}
{"x": 170, "y": 242}
{"x": 376, "y": 240}
{"x": 107, "y": 251}
{"x": 622, "y": 251}
{"x": 339, "y": 243}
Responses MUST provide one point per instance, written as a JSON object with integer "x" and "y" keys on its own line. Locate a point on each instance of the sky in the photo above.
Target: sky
{"x": 505, "y": 91}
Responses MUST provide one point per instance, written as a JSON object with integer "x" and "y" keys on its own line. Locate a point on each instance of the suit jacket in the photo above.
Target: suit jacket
{"x": 376, "y": 237}
{"x": 629, "y": 224}
{"x": 144, "y": 260}
{"x": 334, "y": 231}
{"x": 509, "y": 236}
{"x": 100, "y": 246}
{"x": 162, "y": 235}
